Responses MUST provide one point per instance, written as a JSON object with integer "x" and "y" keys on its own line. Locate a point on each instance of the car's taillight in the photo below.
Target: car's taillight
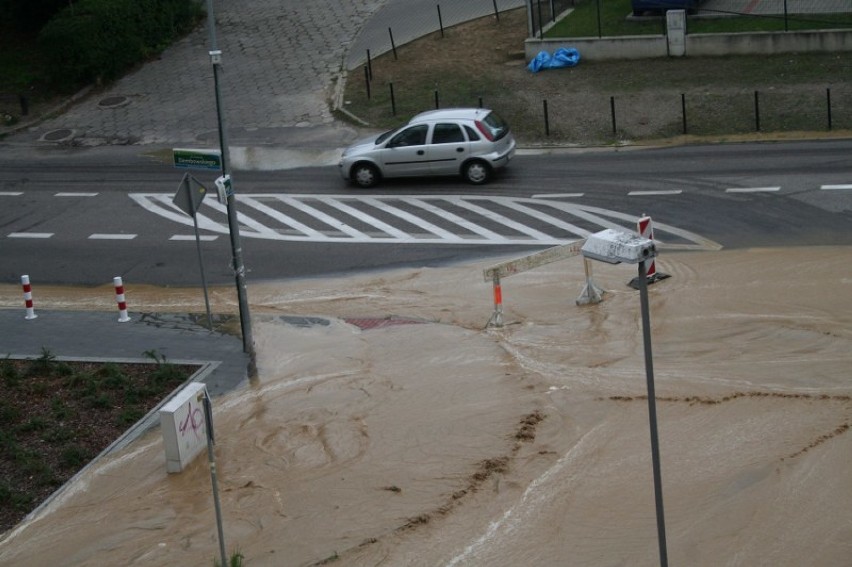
{"x": 485, "y": 131}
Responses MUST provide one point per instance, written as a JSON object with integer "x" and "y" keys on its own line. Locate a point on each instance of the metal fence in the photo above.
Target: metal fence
{"x": 590, "y": 119}
{"x": 543, "y": 13}
{"x": 610, "y": 15}
{"x": 403, "y": 22}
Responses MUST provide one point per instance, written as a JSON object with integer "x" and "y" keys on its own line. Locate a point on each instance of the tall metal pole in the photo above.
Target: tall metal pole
{"x": 233, "y": 224}
{"x": 652, "y": 412}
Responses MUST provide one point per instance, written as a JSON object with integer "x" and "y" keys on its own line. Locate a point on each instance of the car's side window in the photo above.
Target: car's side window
{"x": 447, "y": 133}
{"x": 471, "y": 134}
{"x": 414, "y": 136}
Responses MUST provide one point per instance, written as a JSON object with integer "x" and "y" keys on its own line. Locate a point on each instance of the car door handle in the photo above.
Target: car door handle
{"x": 459, "y": 150}
{"x": 420, "y": 152}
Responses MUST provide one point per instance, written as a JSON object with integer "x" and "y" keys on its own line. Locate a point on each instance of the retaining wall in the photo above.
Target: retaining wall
{"x": 697, "y": 45}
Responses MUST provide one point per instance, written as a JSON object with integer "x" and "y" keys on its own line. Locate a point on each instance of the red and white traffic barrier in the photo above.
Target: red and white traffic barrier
{"x": 119, "y": 298}
{"x": 28, "y": 297}
{"x": 646, "y": 230}
{"x": 497, "y": 316}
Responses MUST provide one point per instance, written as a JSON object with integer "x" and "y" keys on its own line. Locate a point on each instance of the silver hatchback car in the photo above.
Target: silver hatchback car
{"x": 471, "y": 142}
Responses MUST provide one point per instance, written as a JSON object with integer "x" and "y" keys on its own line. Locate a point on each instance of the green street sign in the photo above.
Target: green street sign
{"x": 197, "y": 159}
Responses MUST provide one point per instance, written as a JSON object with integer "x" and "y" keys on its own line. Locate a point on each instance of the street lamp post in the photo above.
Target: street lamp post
{"x": 613, "y": 247}
{"x": 233, "y": 224}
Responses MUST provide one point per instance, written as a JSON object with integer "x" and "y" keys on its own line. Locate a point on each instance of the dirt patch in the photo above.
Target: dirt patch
{"x": 604, "y": 102}
{"x": 57, "y": 416}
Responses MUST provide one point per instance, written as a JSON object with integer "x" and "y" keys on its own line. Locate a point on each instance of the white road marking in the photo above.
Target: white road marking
{"x": 451, "y": 217}
{"x": 75, "y": 195}
{"x": 835, "y": 187}
{"x": 202, "y": 237}
{"x": 415, "y": 219}
{"x": 98, "y": 236}
{"x": 661, "y": 192}
{"x": 752, "y": 189}
{"x": 369, "y": 219}
{"x": 30, "y": 234}
{"x": 11, "y": 193}
{"x": 324, "y": 218}
{"x": 557, "y": 195}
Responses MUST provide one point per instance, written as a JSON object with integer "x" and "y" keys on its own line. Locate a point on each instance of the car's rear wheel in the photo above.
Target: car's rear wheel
{"x": 476, "y": 172}
{"x": 365, "y": 175}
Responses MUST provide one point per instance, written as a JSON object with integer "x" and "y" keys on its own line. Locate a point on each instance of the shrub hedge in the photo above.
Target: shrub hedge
{"x": 99, "y": 40}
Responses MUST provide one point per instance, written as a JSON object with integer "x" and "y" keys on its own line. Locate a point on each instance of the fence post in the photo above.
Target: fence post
{"x": 546, "y": 119}
{"x": 756, "y": 112}
{"x": 369, "y": 66}
{"x": 367, "y": 80}
{"x": 393, "y": 100}
{"x": 440, "y": 21}
{"x": 612, "y": 112}
{"x": 393, "y": 45}
{"x": 828, "y": 104}
{"x": 683, "y": 111}
{"x": 437, "y": 101}
{"x": 496, "y": 12}
{"x": 600, "y": 26}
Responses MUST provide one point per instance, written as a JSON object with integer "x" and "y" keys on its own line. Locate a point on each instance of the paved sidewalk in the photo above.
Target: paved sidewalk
{"x": 282, "y": 61}
{"x": 99, "y": 336}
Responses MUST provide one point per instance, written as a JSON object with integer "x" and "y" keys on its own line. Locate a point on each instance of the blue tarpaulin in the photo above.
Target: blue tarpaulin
{"x": 562, "y": 57}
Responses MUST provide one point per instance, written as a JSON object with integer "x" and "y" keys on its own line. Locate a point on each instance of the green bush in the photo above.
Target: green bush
{"x": 99, "y": 40}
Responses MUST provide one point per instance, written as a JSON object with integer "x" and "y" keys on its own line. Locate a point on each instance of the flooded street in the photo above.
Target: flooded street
{"x": 388, "y": 426}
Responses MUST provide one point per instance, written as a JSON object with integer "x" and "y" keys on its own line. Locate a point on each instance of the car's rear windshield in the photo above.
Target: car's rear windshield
{"x": 496, "y": 124}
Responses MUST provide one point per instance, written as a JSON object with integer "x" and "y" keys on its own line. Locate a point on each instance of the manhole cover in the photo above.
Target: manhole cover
{"x": 113, "y": 101}
{"x": 305, "y": 321}
{"x": 58, "y": 135}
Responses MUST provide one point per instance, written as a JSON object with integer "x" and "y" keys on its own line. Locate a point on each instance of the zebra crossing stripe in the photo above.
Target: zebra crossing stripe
{"x": 322, "y": 217}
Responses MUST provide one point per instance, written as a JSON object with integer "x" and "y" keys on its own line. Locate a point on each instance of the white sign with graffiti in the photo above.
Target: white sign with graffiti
{"x": 184, "y": 427}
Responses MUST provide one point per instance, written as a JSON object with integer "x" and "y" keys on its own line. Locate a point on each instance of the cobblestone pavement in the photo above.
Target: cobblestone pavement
{"x": 281, "y": 63}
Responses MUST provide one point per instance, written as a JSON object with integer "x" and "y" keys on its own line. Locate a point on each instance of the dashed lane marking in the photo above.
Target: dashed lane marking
{"x": 661, "y": 192}
{"x": 752, "y": 189}
{"x": 97, "y": 236}
{"x": 30, "y": 234}
{"x": 11, "y": 193}
{"x": 835, "y": 187}
{"x": 202, "y": 237}
{"x": 75, "y": 195}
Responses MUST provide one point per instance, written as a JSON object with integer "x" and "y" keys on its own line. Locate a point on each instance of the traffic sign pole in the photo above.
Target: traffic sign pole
{"x": 233, "y": 224}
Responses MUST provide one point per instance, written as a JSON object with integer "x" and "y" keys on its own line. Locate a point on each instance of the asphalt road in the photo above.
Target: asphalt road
{"x": 84, "y": 216}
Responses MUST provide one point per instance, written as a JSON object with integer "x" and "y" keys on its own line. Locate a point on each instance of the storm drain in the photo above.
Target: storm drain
{"x": 305, "y": 322}
{"x": 113, "y": 102}
{"x": 366, "y": 323}
{"x": 57, "y": 135}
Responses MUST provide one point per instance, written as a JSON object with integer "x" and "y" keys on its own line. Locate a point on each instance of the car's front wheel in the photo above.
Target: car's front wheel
{"x": 476, "y": 172}
{"x": 365, "y": 175}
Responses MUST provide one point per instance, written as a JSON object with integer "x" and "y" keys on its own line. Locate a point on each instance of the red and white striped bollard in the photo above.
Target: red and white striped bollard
{"x": 28, "y": 297}
{"x": 646, "y": 230}
{"x": 119, "y": 298}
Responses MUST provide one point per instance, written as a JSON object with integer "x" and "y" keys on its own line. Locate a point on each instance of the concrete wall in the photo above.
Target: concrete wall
{"x": 645, "y": 46}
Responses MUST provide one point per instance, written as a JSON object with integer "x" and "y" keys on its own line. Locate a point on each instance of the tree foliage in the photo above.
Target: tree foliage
{"x": 99, "y": 40}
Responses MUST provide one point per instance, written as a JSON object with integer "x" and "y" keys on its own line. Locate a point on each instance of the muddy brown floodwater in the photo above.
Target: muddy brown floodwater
{"x": 434, "y": 441}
